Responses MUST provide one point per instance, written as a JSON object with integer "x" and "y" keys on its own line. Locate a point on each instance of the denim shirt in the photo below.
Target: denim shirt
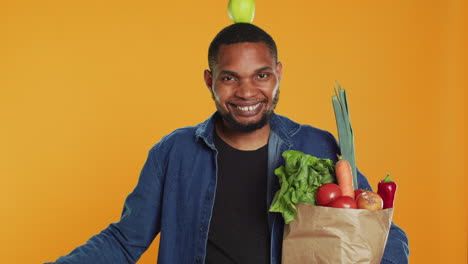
{"x": 175, "y": 195}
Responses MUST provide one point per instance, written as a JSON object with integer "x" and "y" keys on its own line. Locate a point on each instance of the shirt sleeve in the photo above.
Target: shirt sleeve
{"x": 396, "y": 250}
{"x": 126, "y": 240}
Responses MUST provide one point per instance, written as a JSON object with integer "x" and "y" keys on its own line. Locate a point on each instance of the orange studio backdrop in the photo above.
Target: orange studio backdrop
{"x": 87, "y": 88}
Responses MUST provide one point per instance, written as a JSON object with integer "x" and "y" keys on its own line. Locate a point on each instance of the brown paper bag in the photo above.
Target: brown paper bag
{"x": 334, "y": 235}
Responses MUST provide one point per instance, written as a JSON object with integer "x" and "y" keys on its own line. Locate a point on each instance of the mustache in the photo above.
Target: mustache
{"x": 243, "y": 101}
{"x": 264, "y": 100}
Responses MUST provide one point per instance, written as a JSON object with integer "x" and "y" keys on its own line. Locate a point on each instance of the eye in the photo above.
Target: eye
{"x": 227, "y": 78}
{"x": 262, "y": 75}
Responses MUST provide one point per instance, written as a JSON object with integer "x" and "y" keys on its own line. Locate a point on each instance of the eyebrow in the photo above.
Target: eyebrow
{"x": 264, "y": 69}
{"x": 227, "y": 72}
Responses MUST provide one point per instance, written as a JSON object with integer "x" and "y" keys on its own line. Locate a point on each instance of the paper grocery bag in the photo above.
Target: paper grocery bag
{"x": 333, "y": 235}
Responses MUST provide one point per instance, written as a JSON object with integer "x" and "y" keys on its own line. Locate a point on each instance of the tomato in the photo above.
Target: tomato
{"x": 369, "y": 200}
{"x": 357, "y": 192}
{"x": 327, "y": 193}
{"x": 343, "y": 202}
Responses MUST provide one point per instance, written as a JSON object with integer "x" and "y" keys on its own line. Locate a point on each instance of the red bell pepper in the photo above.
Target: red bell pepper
{"x": 386, "y": 189}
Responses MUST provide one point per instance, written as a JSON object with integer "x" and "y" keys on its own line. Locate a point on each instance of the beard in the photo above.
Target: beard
{"x": 250, "y": 127}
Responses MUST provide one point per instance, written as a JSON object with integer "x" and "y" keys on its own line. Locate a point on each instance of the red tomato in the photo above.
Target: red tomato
{"x": 370, "y": 201}
{"x": 327, "y": 193}
{"x": 357, "y": 192}
{"x": 343, "y": 202}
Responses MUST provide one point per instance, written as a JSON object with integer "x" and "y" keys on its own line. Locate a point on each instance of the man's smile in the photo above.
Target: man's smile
{"x": 245, "y": 109}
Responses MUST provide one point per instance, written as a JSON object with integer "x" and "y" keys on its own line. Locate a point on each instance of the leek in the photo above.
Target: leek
{"x": 345, "y": 131}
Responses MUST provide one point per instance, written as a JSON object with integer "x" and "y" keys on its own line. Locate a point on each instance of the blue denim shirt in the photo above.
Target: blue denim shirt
{"x": 175, "y": 195}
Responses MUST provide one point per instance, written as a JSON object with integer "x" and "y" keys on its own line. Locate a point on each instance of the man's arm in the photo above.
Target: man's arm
{"x": 125, "y": 241}
{"x": 396, "y": 249}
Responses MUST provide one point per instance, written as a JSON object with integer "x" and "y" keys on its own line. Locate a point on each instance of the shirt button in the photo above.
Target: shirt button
{"x": 198, "y": 260}
{"x": 202, "y": 229}
{"x": 207, "y": 197}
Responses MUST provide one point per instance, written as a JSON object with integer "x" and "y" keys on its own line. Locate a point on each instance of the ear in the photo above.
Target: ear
{"x": 279, "y": 70}
{"x": 208, "y": 76}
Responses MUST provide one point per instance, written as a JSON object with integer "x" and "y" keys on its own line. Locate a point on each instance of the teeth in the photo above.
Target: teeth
{"x": 248, "y": 108}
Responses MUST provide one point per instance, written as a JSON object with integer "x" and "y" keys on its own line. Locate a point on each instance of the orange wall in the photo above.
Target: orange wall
{"x": 87, "y": 87}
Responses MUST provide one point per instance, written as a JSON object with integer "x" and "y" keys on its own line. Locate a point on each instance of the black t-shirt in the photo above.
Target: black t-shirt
{"x": 239, "y": 224}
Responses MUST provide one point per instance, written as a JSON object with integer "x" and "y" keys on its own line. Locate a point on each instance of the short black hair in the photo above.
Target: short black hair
{"x": 239, "y": 33}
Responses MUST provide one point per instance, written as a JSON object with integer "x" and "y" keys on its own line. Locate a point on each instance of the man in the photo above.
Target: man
{"x": 207, "y": 189}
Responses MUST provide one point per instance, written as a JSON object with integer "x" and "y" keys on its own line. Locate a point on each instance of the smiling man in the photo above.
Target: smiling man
{"x": 207, "y": 189}
{"x": 244, "y": 82}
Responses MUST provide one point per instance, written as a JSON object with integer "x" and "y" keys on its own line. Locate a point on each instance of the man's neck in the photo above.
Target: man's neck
{"x": 241, "y": 140}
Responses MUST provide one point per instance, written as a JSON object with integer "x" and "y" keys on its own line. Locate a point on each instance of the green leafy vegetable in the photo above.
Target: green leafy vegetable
{"x": 300, "y": 178}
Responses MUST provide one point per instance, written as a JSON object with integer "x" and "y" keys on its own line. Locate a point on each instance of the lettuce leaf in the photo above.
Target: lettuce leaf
{"x": 300, "y": 178}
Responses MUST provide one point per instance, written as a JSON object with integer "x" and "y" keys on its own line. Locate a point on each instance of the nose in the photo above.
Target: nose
{"x": 246, "y": 89}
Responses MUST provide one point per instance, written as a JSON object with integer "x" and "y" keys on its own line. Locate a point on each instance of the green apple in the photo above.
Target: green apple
{"x": 241, "y": 11}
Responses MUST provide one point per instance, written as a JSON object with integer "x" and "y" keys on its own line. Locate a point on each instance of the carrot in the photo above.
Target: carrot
{"x": 344, "y": 177}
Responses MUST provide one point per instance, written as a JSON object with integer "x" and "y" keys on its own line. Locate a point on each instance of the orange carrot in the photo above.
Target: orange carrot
{"x": 344, "y": 177}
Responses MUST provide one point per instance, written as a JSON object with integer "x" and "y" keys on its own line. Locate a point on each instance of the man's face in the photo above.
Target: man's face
{"x": 245, "y": 85}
